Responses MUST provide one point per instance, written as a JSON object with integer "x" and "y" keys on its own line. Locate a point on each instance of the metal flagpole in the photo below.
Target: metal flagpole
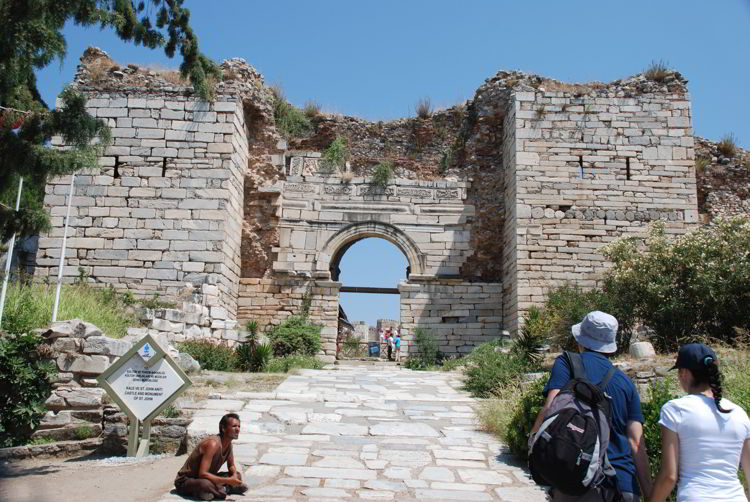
{"x": 62, "y": 249}
{"x": 9, "y": 258}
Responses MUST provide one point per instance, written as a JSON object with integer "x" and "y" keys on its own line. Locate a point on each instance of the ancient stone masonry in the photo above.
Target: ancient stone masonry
{"x": 723, "y": 181}
{"x": 492, "y": 201}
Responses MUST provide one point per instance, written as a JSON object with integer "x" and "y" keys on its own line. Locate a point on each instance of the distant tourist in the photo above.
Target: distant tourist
{"x": 389, "y": 343}
{"x": 704, "y": 437}
{"x": 397, "y": 345}
{"x": 200, "y": 477}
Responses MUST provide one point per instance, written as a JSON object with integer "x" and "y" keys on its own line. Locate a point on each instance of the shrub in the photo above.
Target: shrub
{"x": 211, "y": 356}
{"x": 336, "y": 155}
{"x": 735, "y": 368}
{"x": 522, "y": 418}
{"x": 657, "y": 71}
{"x": 533, "y": 334}
{"x": 424, "y": 108}
{"x": 25, "y": 383}
{"x": 83, "y": 432}
{"x": 351, "y": 347}
{"x": 29, "y": 306}
{"x": 685, "y": 288}
{"x": 660, "y": 393}
{"x": 382, "y": 174}
{"x": 253, "y": 357}
{"x": 567, "y": 305}
{"x": 488, "y": 368}
{"x": 291, "y": 122}
{"x": 287, "y": 363}
{"x": 728, "y": 145}
{"x": 296, "y": 335}
{"x": 426, "y": 353}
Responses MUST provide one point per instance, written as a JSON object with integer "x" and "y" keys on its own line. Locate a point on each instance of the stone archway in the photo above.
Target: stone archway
{"x": 341, "y": 240}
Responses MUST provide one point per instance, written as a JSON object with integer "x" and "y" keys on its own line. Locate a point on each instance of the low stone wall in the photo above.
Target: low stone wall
{"x": 79, "y": 409}
{"x": 192, "y": 321}
{"x": 75, "y": 406}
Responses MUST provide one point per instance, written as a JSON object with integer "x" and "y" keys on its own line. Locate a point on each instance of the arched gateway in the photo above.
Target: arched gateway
{"x": 429, "y": 221}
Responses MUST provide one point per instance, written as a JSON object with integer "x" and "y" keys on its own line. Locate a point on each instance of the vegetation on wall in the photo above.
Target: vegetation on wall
{"x": 291, "y": 122}
{"x": 336, "y": 155}
{"x": 657, "y": 71}
{"x": 382, "y": 174}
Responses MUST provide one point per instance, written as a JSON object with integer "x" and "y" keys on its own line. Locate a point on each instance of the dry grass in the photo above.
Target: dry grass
{"x": 347, "y": 177}
{"x": 311, "y": 109}
{"x": 100, "y": 69}
{"x": 701, "y": 163}
{"x": 552, "y": 85}
{"x": 728, "y": 145}
{"x": 424, "y": 108}
{"x": 228, "y": 383}
{"x": 657, "y": 71}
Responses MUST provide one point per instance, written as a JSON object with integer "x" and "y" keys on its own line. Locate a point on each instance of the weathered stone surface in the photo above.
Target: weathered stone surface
{"x": 79, "y": 363}
{"x": 105, "y": 345}
{"x": 642, "y": 350}
{"x": 403, "y": 429}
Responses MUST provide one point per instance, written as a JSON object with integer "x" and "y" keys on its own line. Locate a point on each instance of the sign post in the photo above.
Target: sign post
{"x": 143, "y": 382}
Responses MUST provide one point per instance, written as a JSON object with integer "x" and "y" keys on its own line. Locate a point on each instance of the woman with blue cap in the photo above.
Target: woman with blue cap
{"x": 704, "y": 436}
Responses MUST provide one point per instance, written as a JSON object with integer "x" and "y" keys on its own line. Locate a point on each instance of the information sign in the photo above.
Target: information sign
{"x": 144, "y": 381}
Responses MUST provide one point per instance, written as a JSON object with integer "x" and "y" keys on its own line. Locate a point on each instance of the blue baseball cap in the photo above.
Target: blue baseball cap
{"x": 597, "y": 332}
{"x": 694, "y": 356}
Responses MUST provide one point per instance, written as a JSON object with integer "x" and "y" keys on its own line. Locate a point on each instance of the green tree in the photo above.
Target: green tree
{"x": 31, "y": 38}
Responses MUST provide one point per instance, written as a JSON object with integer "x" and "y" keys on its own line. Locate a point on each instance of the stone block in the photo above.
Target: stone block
{"x": 105, "y": 345}
{"x": 90, "y": 365}
{"x": 642, "y": 350}
{"x": 82, "y": 397}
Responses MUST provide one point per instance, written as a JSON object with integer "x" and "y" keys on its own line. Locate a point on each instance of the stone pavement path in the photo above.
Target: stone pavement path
{"x": 353, "y": 433}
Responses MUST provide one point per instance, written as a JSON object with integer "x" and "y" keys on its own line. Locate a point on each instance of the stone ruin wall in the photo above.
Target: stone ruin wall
{"x": 591, "y": 167}
{"x": 239, "y": 209}
{"x": 723, "y": 181}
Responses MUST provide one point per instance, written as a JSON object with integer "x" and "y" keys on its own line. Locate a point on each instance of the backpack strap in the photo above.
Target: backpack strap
{"x": 576, "y": 364}
{"x": 607, "y": 378}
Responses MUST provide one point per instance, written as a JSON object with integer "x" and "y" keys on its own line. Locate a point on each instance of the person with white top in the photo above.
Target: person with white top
{"x": 704, "y": 437}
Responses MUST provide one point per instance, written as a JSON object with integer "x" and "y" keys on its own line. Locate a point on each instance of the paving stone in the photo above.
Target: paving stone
{"x": 520, "y": 494}
{"x": 345, "y": 484}
{"x": 424, "y": 494}
{"x": 225, "y": 405}
{"x": 325, "y": 492}
{"x": 439, "y": 485}
{"x": 336, "y": 429}
{"x": 342, "y": 462}
{"x": 329, "y": 472}
{"x": 403, "y": 429}
{"x": 483, "y": 476}
{"x": 299, "y": 481}
{"x": 459, "y": 455}
{"x": 283, "y": 459}
{"x": 437, "y": 474}
{"x": 382, "y": 484}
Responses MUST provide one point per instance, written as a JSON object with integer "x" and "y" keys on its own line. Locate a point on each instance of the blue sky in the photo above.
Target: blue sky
{"x": 376, "y": 59}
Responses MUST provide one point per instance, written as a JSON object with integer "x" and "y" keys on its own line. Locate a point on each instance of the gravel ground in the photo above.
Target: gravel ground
{"x": 75, "y": 479}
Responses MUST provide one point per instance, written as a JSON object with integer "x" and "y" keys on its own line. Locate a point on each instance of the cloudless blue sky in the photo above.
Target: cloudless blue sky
{"x": 375, "y": 59}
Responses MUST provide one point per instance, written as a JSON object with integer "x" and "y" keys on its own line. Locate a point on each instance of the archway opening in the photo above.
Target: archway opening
{"x": 370, "y": 270}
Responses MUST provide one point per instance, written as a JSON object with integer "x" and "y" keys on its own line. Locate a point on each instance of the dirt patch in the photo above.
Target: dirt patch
{"x": 84, "y": 478}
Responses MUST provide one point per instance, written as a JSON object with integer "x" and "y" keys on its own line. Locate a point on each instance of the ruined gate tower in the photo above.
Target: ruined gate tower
{"x": 493, "y": 201}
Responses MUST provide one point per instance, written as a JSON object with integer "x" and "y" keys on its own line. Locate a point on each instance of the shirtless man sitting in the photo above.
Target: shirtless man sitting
{"x": 200, "y": 477}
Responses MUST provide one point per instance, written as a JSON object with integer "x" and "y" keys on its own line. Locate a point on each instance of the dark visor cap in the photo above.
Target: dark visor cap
{"x": 694, "y": 356}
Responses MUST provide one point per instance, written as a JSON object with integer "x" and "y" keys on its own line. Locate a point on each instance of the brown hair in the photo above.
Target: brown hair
{"x": 225, "y": 421}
